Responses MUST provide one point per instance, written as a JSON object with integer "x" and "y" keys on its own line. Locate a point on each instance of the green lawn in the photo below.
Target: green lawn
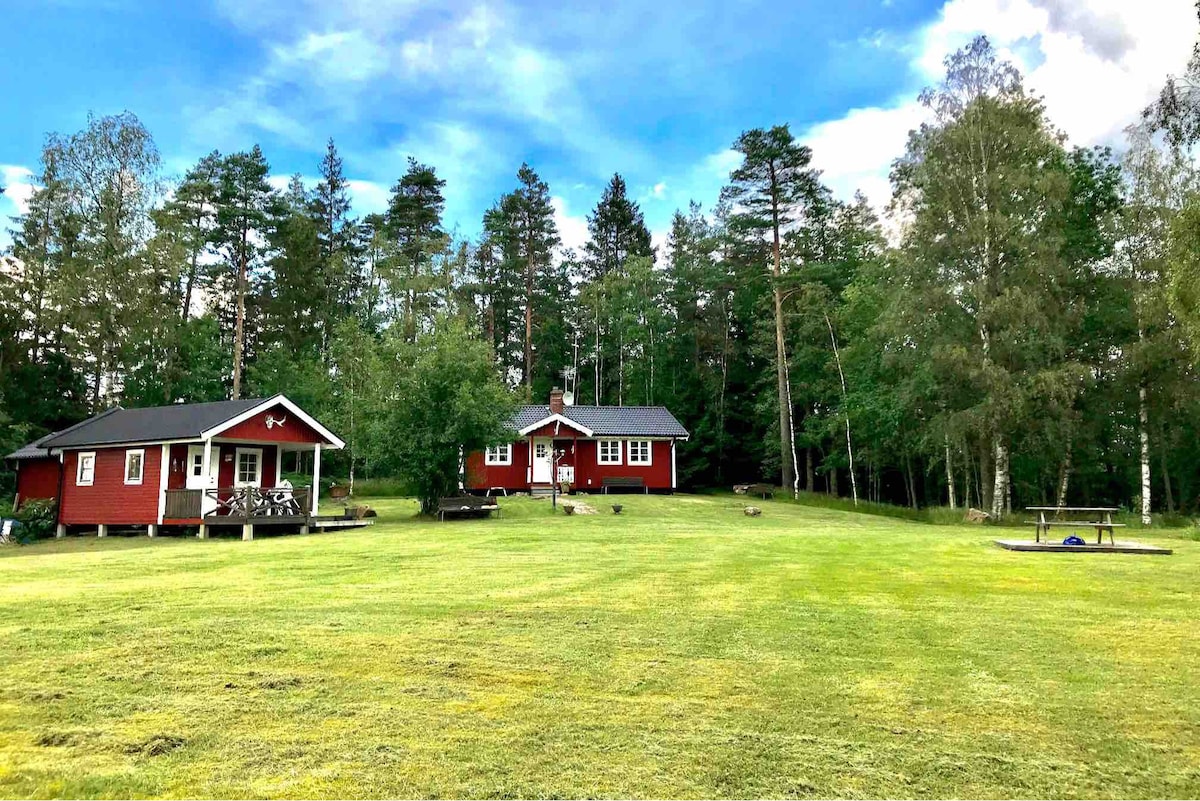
{"x": 680, "y": 649}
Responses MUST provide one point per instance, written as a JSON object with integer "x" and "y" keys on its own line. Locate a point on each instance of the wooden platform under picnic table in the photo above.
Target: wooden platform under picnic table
{"x": 1094, "y": 517}
{"x": 1097, "y": 518}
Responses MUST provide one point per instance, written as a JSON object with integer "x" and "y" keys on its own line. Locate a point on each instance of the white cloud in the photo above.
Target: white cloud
{"x": 18, "y": 189}
{"x": 572, "y": 228}
{"x": 1097, "y": 65}
{"x": 336, "y": 57}
{"x": 18, "y": 186}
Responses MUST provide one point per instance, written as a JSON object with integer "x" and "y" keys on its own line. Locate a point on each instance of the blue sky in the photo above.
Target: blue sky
{"x": 655, "y": 91}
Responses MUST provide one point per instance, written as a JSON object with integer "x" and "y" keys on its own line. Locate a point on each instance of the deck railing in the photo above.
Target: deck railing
{"x": 242, "y": 502}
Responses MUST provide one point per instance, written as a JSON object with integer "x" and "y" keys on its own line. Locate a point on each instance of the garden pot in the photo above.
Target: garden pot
{"x": 617, "y": 508}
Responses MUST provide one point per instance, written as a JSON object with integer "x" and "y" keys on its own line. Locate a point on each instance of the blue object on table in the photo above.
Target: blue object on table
{"x": 1074, "y": 540}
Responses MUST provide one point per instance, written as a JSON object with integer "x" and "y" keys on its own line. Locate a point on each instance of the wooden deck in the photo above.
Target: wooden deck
{"x": 1058, "y": 547}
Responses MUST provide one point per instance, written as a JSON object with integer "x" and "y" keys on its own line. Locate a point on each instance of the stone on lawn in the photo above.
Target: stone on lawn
{"x": 752, "y": 511}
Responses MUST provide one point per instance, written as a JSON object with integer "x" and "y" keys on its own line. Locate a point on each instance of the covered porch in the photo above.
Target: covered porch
{"x": 243, "y": 483}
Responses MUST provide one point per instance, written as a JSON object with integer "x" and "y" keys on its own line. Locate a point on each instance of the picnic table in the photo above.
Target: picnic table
{"x": 1097, "y": 517}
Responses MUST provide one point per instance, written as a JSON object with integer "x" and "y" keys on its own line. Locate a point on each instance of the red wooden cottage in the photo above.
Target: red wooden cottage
{"x": 198, "y": 464}
{"x": 593, "y": 448}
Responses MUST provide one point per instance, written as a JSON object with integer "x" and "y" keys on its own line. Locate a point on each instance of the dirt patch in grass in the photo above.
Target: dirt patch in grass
{"x": 280, "y": 683}
{"x": 64, "y": 739}
{"x": 157, "y": 745}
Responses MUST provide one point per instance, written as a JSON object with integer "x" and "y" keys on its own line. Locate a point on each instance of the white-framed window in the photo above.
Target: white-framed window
{"x": 85, "y": 469}
{"x": 247, "y": 467}
{"x": 196, "y": 461}
{"x": 608, "y": 451}
{"x": 135, "y": 465}
{"x": 499, "y": 454}
{"x": 639, "y": 451}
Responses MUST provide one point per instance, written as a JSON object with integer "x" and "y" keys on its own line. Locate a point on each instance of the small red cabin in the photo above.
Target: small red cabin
{"x": 198, "y": 464}
{"x": 591, "y": 448}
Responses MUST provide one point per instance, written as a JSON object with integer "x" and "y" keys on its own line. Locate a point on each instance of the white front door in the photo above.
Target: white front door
{"x": 195, "y": 468}
{"x": 541, "y": 461}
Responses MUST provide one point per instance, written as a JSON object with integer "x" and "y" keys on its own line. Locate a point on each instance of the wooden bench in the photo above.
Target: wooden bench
{"x": 624, "y": 482}
{"x": 467, "y": 506}
{"x": 1101, "y": 520}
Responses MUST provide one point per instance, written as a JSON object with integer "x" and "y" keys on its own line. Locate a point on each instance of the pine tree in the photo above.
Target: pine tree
{"x": 244, "y": 198}
{"x": 774, "y": 187}
{"x": 340, "y": 249}
{"x": 414, "y": 223}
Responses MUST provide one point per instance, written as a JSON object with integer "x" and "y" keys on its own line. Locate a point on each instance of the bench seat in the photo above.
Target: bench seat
{"x": 623, "y": 482}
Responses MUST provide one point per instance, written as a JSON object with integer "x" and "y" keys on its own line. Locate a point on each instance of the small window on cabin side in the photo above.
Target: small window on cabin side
{"x": 639, "y": 451}
{"x": 248, "y": 472}
{"x": 499, "y": 454}
{"x": 608, "y": 451}
{"x": 134, "y": 464}
{"x": 85, "y": 470}
{"x": 198, "y": 464}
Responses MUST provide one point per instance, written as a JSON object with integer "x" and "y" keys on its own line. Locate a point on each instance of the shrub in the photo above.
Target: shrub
{"x": 37, "y": 518}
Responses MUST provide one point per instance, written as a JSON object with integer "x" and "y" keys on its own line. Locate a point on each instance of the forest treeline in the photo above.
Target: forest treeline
{"x": 1017, "y": 330}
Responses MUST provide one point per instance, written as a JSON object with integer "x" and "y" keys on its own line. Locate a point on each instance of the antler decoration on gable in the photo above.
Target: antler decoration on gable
{"x": 273, "y": 421}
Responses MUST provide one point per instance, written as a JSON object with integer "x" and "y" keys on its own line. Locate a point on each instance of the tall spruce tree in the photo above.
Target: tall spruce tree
{"x": 414, "y": 223}
{"x": 244, "y": 199}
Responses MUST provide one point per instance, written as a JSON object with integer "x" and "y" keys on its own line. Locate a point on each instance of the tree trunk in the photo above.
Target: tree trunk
{"x": 791, "y": 433}
{"x": 1000, "y": 476}
{"x": 1144, "y": 439}
{"x": 949, "y": 472}
{"x": 810, "y": 479}
{"x": 528, "y": 329}
{"x": 1064, "y": 476}
{"x": 837, "y": 357}
{"x": 239, "y": 325}
{"x": 787, "y": 464}
{"x": 1168, "y": 495}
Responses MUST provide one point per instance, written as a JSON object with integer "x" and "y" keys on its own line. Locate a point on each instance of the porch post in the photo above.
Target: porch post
{"x": 60, "y": 531}
{"x": 672, "y": 463}
{"x": 205, "y": 507}
{"x": 316, "y": 487}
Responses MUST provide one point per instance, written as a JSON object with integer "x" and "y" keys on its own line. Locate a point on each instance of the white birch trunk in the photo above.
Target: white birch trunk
{"x": 950, "y": 473}
{"x": 1144, "y": 438}
{"x": 1000, "y": 484}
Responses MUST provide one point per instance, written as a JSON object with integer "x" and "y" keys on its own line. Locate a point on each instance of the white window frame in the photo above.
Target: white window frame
{"x": 600, "y": 458}
{"x": 237, "y": 467}
{"x": 193, "y": 452}
{"x": 141, "y": 454}
{"x": 493, "y": 455}
{"x": 79, "y": 482}
{"x": 649, "y": 460}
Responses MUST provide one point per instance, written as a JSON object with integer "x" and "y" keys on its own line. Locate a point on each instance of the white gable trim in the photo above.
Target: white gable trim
{"x": 336, "y": 442}
{"x": 556, "y": 418}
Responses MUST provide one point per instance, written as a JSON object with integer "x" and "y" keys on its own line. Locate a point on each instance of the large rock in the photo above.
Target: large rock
{"x": 977, "y": 516}
{"x": 752, "y": 511}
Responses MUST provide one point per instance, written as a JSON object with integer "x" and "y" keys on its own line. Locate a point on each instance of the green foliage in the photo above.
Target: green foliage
{"x": 447, "y": 401}
{"x": 38, "y": 519}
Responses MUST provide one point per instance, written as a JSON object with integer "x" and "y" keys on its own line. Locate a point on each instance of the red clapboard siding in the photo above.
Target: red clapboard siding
{"x": 37, "y": 479}
{"x": 589, "y": 475}
{"x": 255, "y": 428}
{"x": 110, "y": 500}
{"x": 227, "y": 453}
{"x": 178, "y": 467}
{"x": 485, "y": 476}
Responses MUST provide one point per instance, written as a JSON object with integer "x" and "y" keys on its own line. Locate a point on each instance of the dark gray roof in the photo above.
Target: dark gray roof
{"x": 33, "y": 450}
{"x": 609, "y": 421}
{"x": 38, "y": 450}
{"x": 154, "y": 424}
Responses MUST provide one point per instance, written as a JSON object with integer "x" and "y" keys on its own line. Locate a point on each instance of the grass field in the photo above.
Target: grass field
{"x": 680, "y": 649}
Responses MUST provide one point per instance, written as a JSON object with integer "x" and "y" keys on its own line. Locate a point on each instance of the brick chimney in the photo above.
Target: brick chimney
{"x": 556, "y": 401}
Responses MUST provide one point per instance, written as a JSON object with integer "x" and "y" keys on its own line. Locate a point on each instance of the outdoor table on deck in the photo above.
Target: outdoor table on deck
{"x": 1102, "y": 524}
